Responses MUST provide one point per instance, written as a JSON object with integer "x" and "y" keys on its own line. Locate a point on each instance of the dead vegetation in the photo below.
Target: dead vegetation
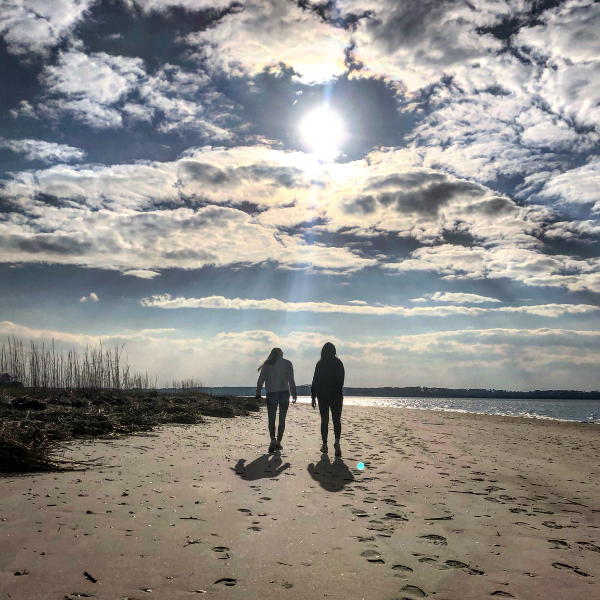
{"x": 34, "y": 426}
{"x": 48, "y": 398}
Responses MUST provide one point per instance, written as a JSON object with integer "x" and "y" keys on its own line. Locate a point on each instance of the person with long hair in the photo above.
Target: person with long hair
{"x": 277, "y": 375}
{"x": 328, "y": 388}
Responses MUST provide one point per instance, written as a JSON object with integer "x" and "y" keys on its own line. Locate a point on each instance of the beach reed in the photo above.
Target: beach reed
{"x": 42, "y": 367}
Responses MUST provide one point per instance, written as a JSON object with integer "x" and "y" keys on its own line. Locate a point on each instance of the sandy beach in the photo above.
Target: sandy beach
{"x": 449, "y": 506}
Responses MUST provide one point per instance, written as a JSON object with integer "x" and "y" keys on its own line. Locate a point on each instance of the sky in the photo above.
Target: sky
{"x": 416, "y": 181}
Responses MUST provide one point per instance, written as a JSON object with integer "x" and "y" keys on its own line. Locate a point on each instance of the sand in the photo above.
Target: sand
{"x": 449, "y": 506}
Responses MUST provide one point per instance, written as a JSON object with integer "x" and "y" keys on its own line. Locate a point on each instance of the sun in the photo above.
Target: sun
{"x": 323, "y": 132}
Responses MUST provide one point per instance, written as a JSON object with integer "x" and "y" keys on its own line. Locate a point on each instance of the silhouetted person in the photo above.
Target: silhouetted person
{"x": 277, "y": 375}
{"x": 328, "y": 388}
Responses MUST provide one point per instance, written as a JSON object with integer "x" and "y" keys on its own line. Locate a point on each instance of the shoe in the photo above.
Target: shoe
{"x": 273, "y": 446}
{"x": 278, "y": 446}
{"x": 338, "y": 450}
{"x": 324, "y": 448}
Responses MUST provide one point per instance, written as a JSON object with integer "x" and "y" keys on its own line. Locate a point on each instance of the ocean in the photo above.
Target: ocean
{"x": 584, "y": 411}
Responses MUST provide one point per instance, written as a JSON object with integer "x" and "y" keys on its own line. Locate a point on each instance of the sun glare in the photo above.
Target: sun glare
{"x": 323, "y": 133}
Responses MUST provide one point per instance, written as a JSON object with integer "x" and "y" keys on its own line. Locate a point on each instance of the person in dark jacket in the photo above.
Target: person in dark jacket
{"x": 327, "y": 387}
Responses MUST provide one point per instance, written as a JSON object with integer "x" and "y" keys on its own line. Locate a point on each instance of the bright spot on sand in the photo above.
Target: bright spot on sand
{"x": 323, "y": 132}
{"x": 360, "y": 466}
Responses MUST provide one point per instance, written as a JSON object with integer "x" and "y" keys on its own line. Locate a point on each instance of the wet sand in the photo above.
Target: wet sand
{"x": 449, "y": 506}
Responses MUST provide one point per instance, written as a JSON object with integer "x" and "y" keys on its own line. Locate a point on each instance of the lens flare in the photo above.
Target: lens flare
{"x": 323, "y": 132}
{"x": 360, "y": 466}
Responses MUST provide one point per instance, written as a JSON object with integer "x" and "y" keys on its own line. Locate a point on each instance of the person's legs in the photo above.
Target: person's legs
{"x": 272, "y": 412}
{"x": 324, "y": 410}
{"x": 284, "y": 403}
{"x": 336, "y": 416}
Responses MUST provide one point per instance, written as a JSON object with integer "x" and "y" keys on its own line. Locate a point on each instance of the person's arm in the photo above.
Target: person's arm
{"x": 261, "y": 381}
{"x": 292, "y": 383}
{"x": 313, "y": 387}
{"x": 342, "y": 376}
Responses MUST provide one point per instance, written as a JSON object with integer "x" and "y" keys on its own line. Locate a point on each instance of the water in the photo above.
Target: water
{"x": 585, "y": 411}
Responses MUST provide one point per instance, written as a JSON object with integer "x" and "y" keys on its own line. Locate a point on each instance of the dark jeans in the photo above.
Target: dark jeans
{"x": 274, "y": 399}
{"x": 335, "y": 405}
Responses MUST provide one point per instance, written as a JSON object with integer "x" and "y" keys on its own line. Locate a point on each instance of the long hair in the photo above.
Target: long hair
{"x": 275, "y": 354}
{"x": 328, "y": 351}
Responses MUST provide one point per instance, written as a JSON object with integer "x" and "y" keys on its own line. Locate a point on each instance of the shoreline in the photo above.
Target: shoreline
{"x": 306, "y": 400}
{"x": 453, "y": 506}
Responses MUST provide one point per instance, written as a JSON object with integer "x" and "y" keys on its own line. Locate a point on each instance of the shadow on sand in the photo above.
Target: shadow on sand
{"x": 331, "y": 476}
{"x": 267, "y": 465}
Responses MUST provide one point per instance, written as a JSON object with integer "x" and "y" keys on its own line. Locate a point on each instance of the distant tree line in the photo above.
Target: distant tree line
{"x": 432, "y": 392}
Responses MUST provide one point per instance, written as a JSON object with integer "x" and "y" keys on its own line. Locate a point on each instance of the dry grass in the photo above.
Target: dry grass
{"x": 89, "y": 395}
{"x": 48, "y": 368}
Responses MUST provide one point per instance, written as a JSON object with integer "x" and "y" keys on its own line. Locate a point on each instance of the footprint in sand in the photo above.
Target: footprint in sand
{"x": 228, "y": 581}
{"x": 368, "y": 538}
{"x": 575, "y": 570}
{"x": 588, "y": 546}
{"x": 457, "y": 564}
{"x": 372, "y": 556}
{"x": 501, "y": 594}
{"x": 554, "y": 525}
{"x": 559, "y": 545}
{"x": 245, "y": 510}
{"x": 438, "y": 540}
{"x": 222, "y": 552}
{"x": 413, "y": 591}
{"x": 401, "y": 570}
{"x": 395, "y": 516}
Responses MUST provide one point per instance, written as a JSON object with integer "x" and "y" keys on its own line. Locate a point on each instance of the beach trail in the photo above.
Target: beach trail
{"x": 448, "y": 506}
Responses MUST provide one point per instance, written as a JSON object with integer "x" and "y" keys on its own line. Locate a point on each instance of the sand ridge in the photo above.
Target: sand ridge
{"x": 450, "y": 506}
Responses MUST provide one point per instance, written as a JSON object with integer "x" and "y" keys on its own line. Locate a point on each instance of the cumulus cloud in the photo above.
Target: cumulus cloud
{"x": 495, "y": 358}
{"x": 418, "y": 42}
{"x": 567, "y": 38}
{"x": 141, "y": 273}
{"x": 48, "y": 152}
{"x": 457, "y": 297}
{"x": 161, "y": 239}
{"x": 574, "y": 230}
{"x": 362, "y": 308}
{"x": 37, "y": 25}
{"x": 387, "y": 193}
{"x": 101, "y": 90}
{"x": 578, "y": 186}
{"x": 92, "y": 297}
{"x": 269, "y": 34}
{"x": 524, "y": 265}
{"x": 259, "y": 175}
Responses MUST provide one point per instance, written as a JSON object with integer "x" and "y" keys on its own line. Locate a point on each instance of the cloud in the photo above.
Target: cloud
{"x": 578, "y": 186}
{"x": 360, "y": 308}
{"x": 47, "y": 152}
{"x": 565, "y": 39}
{"x": 457, "y": 297}
{"x": 37, "y": 25}
{"x": 266, "y": 177}
{"x": 272, "y": 35}
{"x": 160, "y": 239}
{"x": 495, "y": 358}
{"x": 102, "y": 90}
{"x": 277, "y": 191}
{"x": 141, "y": 273}
{"x": 92, "y": 297}
{"x": 574, "y": 230}
{"x": 525, "y": 265}
{"x": 417, "y": 42}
